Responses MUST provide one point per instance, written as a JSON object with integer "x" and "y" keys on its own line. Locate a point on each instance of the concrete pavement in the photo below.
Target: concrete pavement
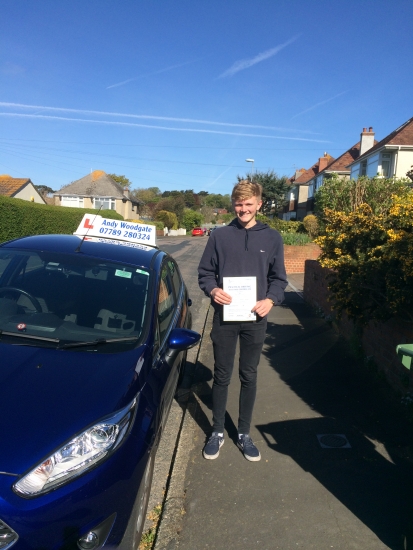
{"x": 336, "y": 468}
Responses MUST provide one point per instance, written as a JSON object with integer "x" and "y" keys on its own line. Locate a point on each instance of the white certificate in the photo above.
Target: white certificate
{"x": 243, "y": 291}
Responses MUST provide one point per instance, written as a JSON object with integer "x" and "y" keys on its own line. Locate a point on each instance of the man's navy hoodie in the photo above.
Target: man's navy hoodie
{"x": 234, "y": 251}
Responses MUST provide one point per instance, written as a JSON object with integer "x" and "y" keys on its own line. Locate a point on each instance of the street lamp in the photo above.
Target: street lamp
{"x": 252, "y": 172}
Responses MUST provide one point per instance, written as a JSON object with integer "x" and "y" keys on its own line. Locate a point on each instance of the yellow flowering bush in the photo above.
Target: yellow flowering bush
{"x": 371, "y": 255}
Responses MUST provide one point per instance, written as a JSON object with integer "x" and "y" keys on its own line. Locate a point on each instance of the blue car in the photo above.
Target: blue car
{"x": 93, "y": 338}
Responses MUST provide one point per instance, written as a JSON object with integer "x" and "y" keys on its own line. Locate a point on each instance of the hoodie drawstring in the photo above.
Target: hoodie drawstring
{"x": 246, "y": 240}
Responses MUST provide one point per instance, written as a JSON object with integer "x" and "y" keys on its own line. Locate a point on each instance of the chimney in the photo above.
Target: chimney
{"x": 322, "y": 162}
{"x": 366, "y": 140}
{"x": 126, "y": 192}
{"x": 298, "y": 173}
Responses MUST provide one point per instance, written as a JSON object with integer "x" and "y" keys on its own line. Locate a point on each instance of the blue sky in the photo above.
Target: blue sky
{"x": 177, "y": 94}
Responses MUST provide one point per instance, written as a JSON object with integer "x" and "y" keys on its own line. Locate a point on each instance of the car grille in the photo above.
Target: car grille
{"x": 7, "y": 536}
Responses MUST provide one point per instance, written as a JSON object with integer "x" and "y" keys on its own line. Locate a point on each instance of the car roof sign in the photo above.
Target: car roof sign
{"x": 106, "y": 229}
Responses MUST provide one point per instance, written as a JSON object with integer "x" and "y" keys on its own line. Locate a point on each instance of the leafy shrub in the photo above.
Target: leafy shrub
{"x": 372, "y": 258}
{"x": 158, "y": 224}
{"x": 299, "y": 239}
{"x": 310, "y": 223}
{"x": 345, "y": 195}
{"x": 191, "y": 219}
{"x": 169, "y": 219}
{"x": 282, "y": 226}
{"x": 19, "y": 218}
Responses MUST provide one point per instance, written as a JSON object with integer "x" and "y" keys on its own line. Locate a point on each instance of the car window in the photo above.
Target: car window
{"x": 176, "y": 277}
{"x": 71, "y": 297}
{"x": 166, "y": 303}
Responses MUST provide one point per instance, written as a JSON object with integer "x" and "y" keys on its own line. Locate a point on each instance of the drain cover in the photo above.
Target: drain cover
{"x": 333, "y": 441}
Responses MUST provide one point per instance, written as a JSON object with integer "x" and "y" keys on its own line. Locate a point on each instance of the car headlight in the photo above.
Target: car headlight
{"x": 78, "y": 455}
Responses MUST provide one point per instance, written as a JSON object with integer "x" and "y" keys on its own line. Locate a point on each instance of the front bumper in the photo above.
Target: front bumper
{"x": 56, "y": 520}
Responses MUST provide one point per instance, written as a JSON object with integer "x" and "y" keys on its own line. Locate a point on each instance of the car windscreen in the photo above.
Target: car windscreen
{"x": 66, "y": 300}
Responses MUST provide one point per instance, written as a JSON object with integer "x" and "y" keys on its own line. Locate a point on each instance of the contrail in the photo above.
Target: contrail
{"x": 318, "y": 104}
{"x": 150, "y": 74}
{"x": 219, "y": 177}
{"x": 134, "y": 124}
{"x": 247, "y": 63}
{"x": 149, "y": 117}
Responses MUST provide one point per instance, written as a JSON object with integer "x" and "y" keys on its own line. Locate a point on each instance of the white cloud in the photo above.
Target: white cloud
{"x": 247, "y": 63}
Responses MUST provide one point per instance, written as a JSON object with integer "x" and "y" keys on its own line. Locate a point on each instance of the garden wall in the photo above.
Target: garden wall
{"x": 378, "y": 340}
{"x": 295, "y": 256}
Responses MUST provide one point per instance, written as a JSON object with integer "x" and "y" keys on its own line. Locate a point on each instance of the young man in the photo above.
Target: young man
{"x": 244, "y": 248}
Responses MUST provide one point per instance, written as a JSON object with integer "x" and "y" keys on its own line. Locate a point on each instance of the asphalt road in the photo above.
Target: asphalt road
{"x": 187, "y": 252}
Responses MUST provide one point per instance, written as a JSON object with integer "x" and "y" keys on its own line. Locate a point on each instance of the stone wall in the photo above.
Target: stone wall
{"x": 378, "y": 340}
{"x": 295, "y": 256}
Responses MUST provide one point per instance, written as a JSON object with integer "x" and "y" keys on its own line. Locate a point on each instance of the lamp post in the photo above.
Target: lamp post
{"x": 252, "y": 172}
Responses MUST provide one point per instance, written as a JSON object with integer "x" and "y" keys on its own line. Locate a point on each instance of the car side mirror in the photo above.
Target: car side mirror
{"x": 183, "y": 338}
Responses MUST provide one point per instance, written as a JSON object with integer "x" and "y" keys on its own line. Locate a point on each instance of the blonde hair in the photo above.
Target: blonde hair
{"x": 246, "y": 189}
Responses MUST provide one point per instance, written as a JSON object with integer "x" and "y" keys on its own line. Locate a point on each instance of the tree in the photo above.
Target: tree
{"x": 191, "y": 219}
{"x": 174, "y": 204}
{"x": 151, "y": 194}
{"x": 122, "y": 180}
{"x": 216, "y": 200}
{"x": 208, "y": 213}
{"x": 189, "y": 198}
{"x": 44, "y": 190}
{"x": 169, "y": 219}
{"x": 274, "y": 189}
{"x": 226, "y": 218}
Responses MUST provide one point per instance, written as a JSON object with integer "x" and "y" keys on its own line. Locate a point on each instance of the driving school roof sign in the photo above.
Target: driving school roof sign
{"x": 96, "y": 226}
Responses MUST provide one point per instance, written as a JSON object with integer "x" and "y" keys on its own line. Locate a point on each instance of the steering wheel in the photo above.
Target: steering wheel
{"x": 33, "y": 300}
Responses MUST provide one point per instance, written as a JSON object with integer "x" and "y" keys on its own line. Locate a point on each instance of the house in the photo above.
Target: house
{"x": 390, "y": 157}
{"x": 297, "y": 204}
{"x": 307, "y": 182}
{"x": 19, "y": 188}
{"x": 98, "y": 190}
{"x": 220, "y": 211}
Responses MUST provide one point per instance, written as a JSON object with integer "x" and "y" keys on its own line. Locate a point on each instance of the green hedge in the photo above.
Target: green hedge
{"x": 19, "y": 218}
{"x": 282, "y": 226}
{"x": 299, "y": 239}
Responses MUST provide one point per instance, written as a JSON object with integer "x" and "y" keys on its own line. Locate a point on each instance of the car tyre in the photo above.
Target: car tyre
{"x": 136, "y": 523}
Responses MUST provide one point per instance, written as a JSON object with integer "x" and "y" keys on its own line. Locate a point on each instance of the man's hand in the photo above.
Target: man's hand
{"x": 220, "y": 297}
{"x": 263, "y": 307}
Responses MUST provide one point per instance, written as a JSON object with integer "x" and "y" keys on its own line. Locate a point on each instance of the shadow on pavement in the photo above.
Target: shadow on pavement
{"x": 373, "y": 478}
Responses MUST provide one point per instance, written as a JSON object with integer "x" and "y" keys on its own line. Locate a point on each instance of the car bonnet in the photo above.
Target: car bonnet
{"x": 49, "y": 396}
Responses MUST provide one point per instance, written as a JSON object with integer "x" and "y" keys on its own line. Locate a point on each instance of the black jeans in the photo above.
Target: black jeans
{"x": 224, "y": 338}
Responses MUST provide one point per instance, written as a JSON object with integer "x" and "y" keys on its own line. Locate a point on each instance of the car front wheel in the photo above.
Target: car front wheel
{"x": 136, "y": 523}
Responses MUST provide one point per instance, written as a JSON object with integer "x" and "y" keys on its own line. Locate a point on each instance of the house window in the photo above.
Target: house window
{"x": 107, "y": 203}
{"x": 310, "y": 190}
{"x": 363, "y": 168}
{"x": 72, "y": 201}
{"x": 385, "y": 165}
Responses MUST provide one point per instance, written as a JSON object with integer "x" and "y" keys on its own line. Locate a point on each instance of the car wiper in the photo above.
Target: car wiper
{"x": 99, "y": 342}
{"x": 28, "y": 336}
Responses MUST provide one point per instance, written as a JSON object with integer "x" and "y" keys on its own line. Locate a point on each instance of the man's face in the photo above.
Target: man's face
{"x": 246, "y": 210}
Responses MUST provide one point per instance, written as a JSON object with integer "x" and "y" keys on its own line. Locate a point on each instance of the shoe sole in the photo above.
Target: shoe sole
{"x": 248, "y": 457}
{"x": 213, "y": 457}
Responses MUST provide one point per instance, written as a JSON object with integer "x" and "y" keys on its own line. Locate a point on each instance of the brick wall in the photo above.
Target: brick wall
{"x": 295, "y": 256}
{"x": 378, "y": 340}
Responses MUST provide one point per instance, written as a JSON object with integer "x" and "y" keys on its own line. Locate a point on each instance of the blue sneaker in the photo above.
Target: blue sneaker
{"x": 213, "y": 445}
{"x": 248, "y": 448}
